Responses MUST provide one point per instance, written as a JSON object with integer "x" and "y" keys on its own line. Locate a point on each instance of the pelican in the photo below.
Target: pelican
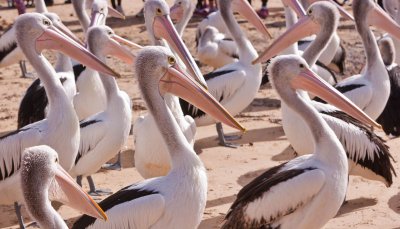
{"x": 368, "y": 155}
{"x": 34, "y": 104}
{"x": 391, "y": 7}
{"x": 334, "y": 55}
{"x": 151, "y": 155}
{"x": 60, "y": 130}
{"x": 10, "y": 53}
{"x": 234, "y": 85}
{"x": 390, "y": 47}
{"x": 179, "y": 198}
{"x": 307, "y": 191}
{"x": 42, "y": 177}
{"x": 103, "y": 134}
{"x": 91, "y": 97}
{"x": 369, "y": 90}
{"x": 215, "y": 46}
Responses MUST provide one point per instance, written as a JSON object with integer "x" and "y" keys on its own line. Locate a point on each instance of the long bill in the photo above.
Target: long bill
{"x": 114, "y": 48}
{"x": 296, "y": 6}
{"x": 52, "y": 38}
{"x": 96, "y": 18}
{"x": 303, "y": 28}
{"x": 64, "y": 29}
{"x": 343, "y": 12}
{"x": 176, "y": 12}
{"x": 115, "y": 13}
{"x": 163, "y": 28}
{"x": 176, "y": 82}
{"x": 244, "y": 8}
{"x": 379, "y": 18}
{"x": 68, "y": 192}
{"x": 311, "y": 82}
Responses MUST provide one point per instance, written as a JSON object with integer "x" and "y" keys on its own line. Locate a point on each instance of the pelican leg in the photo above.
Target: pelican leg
{"x": 19, "y": 215}
{"x": 114, "y": 166}
{"x": 96, "y": 192}
{"x": 223, "y": 139}
{"x": 25, "y": 73}
{"x": 79, "y": 180}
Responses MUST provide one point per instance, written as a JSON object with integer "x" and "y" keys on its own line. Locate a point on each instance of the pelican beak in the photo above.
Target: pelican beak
{"x": 303, "y": 28}
{"x": 342, "y": 11}
{"x": 96, "y": 18}
{"x": 114, "y": 13}
{"x": 52, "y": 38}
{"x": 113, "y": 48}
{"x": 296, "y": 6}
{"x": 244, "y": 8}
{"x": 379, "y": 18}
{"x": 65, "y": 190}
{"x": 163, "y": 28}
{"x": 68, "y": 32}
{"x": 176, "y": 82}
{"x": 126, "y": 42}
{"x": 176, "y": 13}
{"x": 311, "y": 82}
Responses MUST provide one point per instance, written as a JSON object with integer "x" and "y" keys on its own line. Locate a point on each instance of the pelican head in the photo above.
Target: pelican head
{"x": 291, "y": 72}
{"x": 60, "y": 25}
{"x": 369, "y": 13}
{"x": 387, "y": 50}
{"x": 42, "y": 178}
{"x": 35, "y": 32}
{"x": 158, "y": 73}
{"x": 181, "y": 9}
{"x": 99, "y": 11}
{"x": 159, "y": 26}
{"x": 393, "y": 9}
{"x": 322, "y": 17}
{"x": 108, "y": 43}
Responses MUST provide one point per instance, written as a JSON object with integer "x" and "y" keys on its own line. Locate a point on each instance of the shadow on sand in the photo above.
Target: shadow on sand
{"x": 251, "y": 136}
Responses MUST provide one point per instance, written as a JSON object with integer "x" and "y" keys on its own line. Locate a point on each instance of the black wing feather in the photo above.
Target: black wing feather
{"x": 390, "y": 117}
{"x": 194, "y": 112}
{"x": 33, "y": 105}
{"x": 7, "y": 50}
{"x": 343, "y": 89}
{"x": 122, "y": 196}
{"x": 382, "y": 163}
{"x": 254, "y": 190}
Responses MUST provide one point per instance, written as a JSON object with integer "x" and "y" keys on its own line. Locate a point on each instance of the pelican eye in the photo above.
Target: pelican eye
{"x": 310, "y": 11}
{"x": 171, "y": 60}
{"x": 110, "y": 33}
{"x": 159, "y": 12}
{"x": 301, "y": 65}
{"x": 56, "y": 161}
{"x": 46, "y": 22}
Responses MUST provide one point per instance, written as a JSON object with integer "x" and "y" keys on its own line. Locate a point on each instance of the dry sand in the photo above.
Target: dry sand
{"x": 370, "y": 204}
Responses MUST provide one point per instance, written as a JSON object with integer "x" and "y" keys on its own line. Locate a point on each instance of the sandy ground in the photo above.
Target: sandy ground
{"x": 370, "y": 204}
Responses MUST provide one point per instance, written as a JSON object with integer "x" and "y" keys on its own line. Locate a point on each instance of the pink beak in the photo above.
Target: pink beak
{"x": 52, "y": 38}
{"x": 163, "y": 28}
{"x": 70, "y": 193}
{"x": 303, "y": 28}
{"x": 296, "y": 6}
{"x": 309, "y": 81}
{"x": 176, "y": 13}
{"x": 379, "y": 18}
{"x": 115, "y": 49}
{"x": 342, "y": 11}
{"x": 176, "y": 82}
{"x": 244, "y": 8}
{"x": 114, "y": 13}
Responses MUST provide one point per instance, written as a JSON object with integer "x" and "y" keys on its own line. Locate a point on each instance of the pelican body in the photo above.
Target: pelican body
{"x": 179, "y": 197}
{"x": 273, "y": 199}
